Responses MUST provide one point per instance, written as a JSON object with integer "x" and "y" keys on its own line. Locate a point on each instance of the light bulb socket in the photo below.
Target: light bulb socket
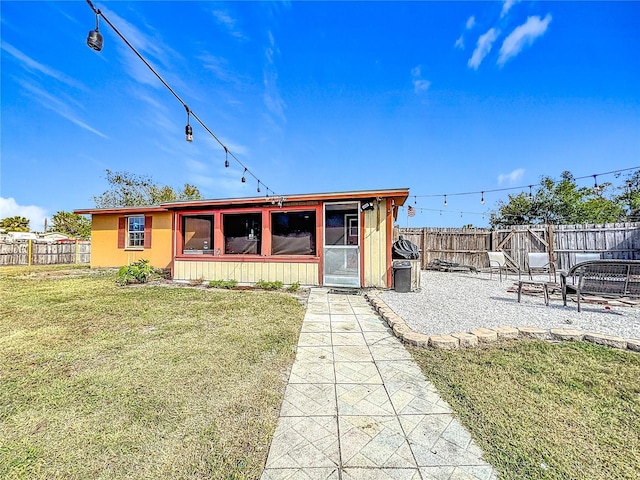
{"x": 95, "y": 40}
{"x": 189, "y": 133}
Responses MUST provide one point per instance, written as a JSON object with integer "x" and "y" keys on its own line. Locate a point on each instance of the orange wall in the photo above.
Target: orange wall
{"x": 104, "y": 242}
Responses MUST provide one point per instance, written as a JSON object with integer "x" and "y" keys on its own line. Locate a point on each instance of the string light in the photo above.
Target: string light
{"x": 595, "y": 182}
{"x": 188, "y": 130}
{"x": 226, "y": 157}
{"x": 482, "y": 198}
{"x": 95, "y": 41}
{"x": 445, "y": 200}
{"x": 506, "y": 189}
{"x": 258, "y": 186}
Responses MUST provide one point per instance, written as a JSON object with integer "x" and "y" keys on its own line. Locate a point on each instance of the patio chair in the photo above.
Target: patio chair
{"x": 540, "y": 262}
{"x": 497, "y": 260}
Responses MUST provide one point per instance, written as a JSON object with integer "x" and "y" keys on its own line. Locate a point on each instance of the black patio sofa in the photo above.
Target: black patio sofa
{"x": 604, "y": 278}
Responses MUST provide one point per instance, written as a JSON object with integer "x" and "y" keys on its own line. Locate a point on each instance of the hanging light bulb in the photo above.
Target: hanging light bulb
{"x": 188, "y": 130}
{"x": 445, "y": 200}
{"x": 482, "y": 199}
{"x": 94, "y": 40}
{"x": 595, "y": 182}
{"x": 530, "y": 194}
{"x": 258, "y": 186}
{"x": 226, "y": 158}
{"x": 415, "y": 200}
{"x": 244, "y": 179}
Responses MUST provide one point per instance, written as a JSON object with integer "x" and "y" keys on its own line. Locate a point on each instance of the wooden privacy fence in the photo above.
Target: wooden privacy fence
{"x": 561, "y": 242}
{"x": 34, "y": 252}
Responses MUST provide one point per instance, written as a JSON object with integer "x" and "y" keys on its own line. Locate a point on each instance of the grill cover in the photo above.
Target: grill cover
{"x": 405, "y": 249}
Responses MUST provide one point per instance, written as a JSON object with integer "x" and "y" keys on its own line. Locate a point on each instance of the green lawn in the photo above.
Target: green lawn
{"x": 546, "y": 411}
{"x": 101, "y": 382}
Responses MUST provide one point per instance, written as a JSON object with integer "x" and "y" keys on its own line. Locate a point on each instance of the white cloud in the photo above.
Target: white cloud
{"x": 30, "y": 64}
{"x": 60, "y": 107}
{"x": 459, "y": 43}
{"x": 522, "y": 36}
{"x": 483, "y": 47}
{"x": 229, "y": 23}
{"x": 506, "y": 6}
{"x": 272, "y": 98}
{"x": 36, "y": 215}
{"x": 471, "y": 21}
{"x": 511, "y": 177}
{"x": 419, "y": 84}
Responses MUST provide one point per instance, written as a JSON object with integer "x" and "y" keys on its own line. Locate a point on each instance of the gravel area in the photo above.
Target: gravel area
{"x": 459, "y": 302}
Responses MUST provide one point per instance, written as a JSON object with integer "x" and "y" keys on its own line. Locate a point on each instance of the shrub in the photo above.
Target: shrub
{"x": 228, "y": 284}
{"x": 294, "y": 287}
{"x": 137, "y": 272}
{"x": 264, "y": 285}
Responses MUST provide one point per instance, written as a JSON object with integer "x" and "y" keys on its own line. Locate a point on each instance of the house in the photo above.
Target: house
{"x": 334, "y": 239}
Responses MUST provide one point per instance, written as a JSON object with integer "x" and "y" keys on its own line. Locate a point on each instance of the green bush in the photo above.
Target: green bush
{"x": 137, "y": 272}
{"x": 264, "y": 285}
{"x": 228, "y": 284}
{"x": 294, "y": 287}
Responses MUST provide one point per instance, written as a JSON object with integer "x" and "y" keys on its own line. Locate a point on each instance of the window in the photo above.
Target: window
{"x": 197, "y": 234}
{"x": 135, "y": 232}
{"x": 242, "y": 233}
{"x": 293, "y": 233}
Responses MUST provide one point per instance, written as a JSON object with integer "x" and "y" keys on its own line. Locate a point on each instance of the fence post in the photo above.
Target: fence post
{"x": 76, "y": 251}
{"x": 29, "y": 252}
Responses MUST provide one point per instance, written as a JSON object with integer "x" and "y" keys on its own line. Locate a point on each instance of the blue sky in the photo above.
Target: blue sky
{"x": 440, "y": 97}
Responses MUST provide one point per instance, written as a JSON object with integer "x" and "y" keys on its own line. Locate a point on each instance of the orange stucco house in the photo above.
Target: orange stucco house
{"x": 338, "y": 239}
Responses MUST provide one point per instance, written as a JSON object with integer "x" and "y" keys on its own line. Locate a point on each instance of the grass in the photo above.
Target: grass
{"x": 546, "y": 411}
{"x": 99, "y": 381}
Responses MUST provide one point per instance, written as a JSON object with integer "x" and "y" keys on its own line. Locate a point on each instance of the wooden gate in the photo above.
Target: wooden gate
{"x": 516, "y": 242}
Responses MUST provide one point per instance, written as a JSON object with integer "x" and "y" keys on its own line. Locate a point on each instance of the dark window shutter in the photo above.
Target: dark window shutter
{"x": 122, "y": 231}
{"x": 147, "y": 231}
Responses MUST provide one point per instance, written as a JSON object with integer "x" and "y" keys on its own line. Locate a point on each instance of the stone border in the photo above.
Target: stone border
{"x": 484, "y": 336}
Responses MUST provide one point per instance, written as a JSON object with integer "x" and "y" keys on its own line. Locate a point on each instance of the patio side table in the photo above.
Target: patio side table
{"x": 544, "y": 285}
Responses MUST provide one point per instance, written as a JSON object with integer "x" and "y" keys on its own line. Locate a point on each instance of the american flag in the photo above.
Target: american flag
{"x": 411, "y": 211}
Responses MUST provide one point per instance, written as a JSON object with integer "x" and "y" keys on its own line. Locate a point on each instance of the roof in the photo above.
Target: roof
{"x": 399, "y": 195}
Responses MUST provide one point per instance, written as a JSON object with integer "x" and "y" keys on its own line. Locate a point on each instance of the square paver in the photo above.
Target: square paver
{"x": 402, "y": 371}
{"x": 363, "y": 399}
{"x": 314, "y": 339}
{"x": 343, "y": 317}
{"x": 313, "y": 327}
{"x": 381, "y": 337}
{"x": 351, "y": 353}
{"x": 347, "y": 338}
{"x": 345, "y": 326}
{"x": 374, "y": 441}
{"x": 390, "y": 352}
{"x": 303, "y": 442}
{"x": 437, "y": 440}
{"x": 414, "y": 397}
{"x": 315, "y": 354}
{"x": 381, "y": 474}
{"x": 312, "y": 372}
{"x": 308, "y": 399}
{"x": 340, "y": 309}
{"x": 300, "y": 474}
{"x": 317, "y": 317}
{"x": 458, "y": 473}
{"x": 372, "y": 323}
{"x": 357, "y": 372}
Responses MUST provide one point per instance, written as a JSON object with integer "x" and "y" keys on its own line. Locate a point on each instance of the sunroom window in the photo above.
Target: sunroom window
{"x": 197, "y": 234}
{"x": 242, "y": 233}
{"x": 293, "y": 233}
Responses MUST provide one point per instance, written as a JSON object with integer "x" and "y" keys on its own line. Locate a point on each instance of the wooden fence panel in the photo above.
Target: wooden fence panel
{"x": 469, "y": 246}
{"x": 45, "y": 253}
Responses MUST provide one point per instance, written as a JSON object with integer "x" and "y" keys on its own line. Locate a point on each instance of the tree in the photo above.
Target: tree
{"x": 71, "y": 224}
{"x": 15, "y": 224}
{"x": 131, "y": 190}
{"x": 560, "y": 202}
{"x": 630, "y": 196}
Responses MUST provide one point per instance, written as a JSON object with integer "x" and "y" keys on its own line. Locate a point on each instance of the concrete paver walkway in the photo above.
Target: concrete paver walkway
{"x": 357, "y": 406}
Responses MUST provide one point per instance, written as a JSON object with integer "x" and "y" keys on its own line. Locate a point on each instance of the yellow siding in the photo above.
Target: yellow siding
{"x": 104, "y": 242}
{"x": 247, "y": 272}
{"x": 375, "y": 247}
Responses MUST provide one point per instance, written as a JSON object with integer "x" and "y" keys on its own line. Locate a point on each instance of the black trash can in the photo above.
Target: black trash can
{"x": 402, "y": 276}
